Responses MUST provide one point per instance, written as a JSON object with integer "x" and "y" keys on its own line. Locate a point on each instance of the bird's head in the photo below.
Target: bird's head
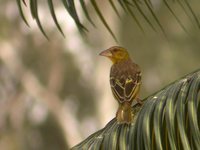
{"x": 115, "y": 54}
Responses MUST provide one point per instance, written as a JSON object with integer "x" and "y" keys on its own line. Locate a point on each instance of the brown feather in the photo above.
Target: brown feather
{"x": 125, "y": 80}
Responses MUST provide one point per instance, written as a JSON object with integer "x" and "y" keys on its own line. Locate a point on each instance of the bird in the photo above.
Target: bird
{"x": 125, "y": 82}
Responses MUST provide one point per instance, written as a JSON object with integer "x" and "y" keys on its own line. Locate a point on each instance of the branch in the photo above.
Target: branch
{"x": 167, "y": 120}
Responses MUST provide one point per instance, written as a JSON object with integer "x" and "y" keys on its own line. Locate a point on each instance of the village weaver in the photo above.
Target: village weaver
{"x": 125, "y": 81}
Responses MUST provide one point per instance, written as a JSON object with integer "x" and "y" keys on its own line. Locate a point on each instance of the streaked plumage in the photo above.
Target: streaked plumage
{"x": 125, "y": 81}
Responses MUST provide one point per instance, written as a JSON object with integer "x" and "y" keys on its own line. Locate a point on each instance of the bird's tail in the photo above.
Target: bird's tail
{"x": 124, "y": 113}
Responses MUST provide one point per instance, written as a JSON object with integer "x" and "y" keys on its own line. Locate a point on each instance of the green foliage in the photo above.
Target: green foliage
{"x": 132, "y": 7}
{"x": 169, "y": 119}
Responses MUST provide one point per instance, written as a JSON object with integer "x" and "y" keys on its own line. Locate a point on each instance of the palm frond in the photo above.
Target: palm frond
{"x": 176, "y": 17}
{"x": 149, "y": 6}
{"x": 132, "y": 7}
{"x": 71, "y": 9}
{"x": 51, "y": 7}
{"x": 94, "y": 4}
{"x": 114, "y": 8}
{"x": 34, "y": 13}
{"x": 83, "y": 5}
{"x": 128, "y": 7}
{"x": 143, "y": 14}
{"x": 184, "y": 10}
{"x": 169, "y": 119}
{"x": 193, "y": 13}
{"x": 21, "y": 11}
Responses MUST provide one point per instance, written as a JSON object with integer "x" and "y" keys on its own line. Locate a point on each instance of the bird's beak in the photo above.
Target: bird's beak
{"x": 106, "y": 53}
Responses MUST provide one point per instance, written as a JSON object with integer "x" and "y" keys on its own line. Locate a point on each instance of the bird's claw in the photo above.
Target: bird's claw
{"x": 139, "y": 101}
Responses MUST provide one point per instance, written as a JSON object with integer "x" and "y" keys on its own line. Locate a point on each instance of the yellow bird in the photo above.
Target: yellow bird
{"x": 125, "y": 81}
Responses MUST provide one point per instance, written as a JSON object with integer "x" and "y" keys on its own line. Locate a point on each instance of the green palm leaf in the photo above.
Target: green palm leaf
{"x": 34, "y": 13}
{"x": 129, "y": 6}
{"x": 169, "y": 119}
{"x": 51, "y": 7}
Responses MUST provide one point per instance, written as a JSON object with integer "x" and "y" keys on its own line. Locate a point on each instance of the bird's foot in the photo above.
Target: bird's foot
{"x": 139, "y": 101}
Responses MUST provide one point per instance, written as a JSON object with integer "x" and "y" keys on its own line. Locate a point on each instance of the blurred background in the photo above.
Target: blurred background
{"x": 54, "y": 94}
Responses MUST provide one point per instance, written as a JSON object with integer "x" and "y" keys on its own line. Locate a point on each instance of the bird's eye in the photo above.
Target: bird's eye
{"x": 115, "y": 50}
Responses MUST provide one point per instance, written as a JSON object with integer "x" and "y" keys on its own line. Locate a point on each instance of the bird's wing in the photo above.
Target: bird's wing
{"x": 132, "y": 85}
{"x": 126, "y": 88}
{"x": 117, "y": 88}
